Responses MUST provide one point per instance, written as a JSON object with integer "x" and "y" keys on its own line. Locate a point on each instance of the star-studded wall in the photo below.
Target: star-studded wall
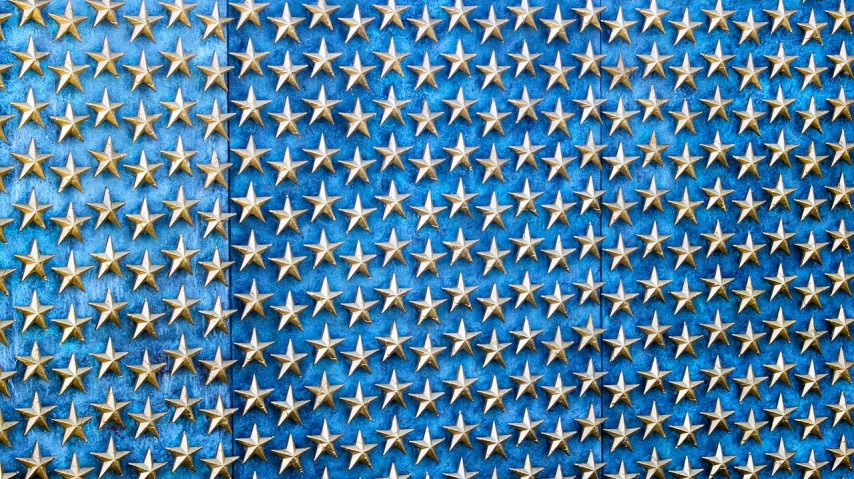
{"x": 537, "y": 240}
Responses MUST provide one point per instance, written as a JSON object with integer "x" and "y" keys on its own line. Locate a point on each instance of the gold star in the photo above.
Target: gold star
{"x": 179, "y": 109}
{"x": 653, "y": 16}
{"x": 69, "y": 73}
{"x": 105, "y": 60}
{"x": 214, "y": 23}
{"x": 254, "y": 300}
{"x": 220, "y": 464}
{"x": 3, "y": 120}
{"x": 30, "y": 59}
{"x": 74, "y": 471}
{"x": 841, "y": 19}
{"x": 36, "y": 463}
{"x": 750, "y": 28}
{"x": 145, "y": 274}
{"x": 214, "y": 171}
{"x": 36, "y": 414}
{"x": 182, "y": 357}
{"x": 30, "y": 111}
{"x": 69, "y": 123}
{"x": 179, "y": 11}
{"x": 491, "y": 26}
{"x": 111, "y": 458}
{"x": 31, "y": 11}
{"x": 718, "y": 18}
{"x": 216, "y": 74}
{"x": 142, "y": 23}
{"x": 216, "y": 219}
{"x": 72, "y": 375}
{"x": 110, "y": 361}
{"x": 71, "y": 274}
{"x": 146, "y": 372}
{"x": 143, "y": 123}
{"x": 105, "y": 111}
{"x": 812, "y": 29}
{"x": 148, "y": 467}
{"x": 183, "y": 454}
{"x": 218, "y": 367}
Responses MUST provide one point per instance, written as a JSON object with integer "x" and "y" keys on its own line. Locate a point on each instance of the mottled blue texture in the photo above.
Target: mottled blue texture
{"x": 19, "y": 242}
{"x": 309, "y": 184}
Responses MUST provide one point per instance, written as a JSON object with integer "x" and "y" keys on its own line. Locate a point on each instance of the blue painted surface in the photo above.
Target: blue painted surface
{"x": 309, "y": 184}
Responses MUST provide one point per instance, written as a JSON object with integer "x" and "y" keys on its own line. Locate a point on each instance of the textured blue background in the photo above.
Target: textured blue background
{"x": 19, "y": 242}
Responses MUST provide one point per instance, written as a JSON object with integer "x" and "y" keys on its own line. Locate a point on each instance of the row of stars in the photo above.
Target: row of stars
{"x": 250, "y": 12}
{"x": 461, "y": 155}
{"x": 493, "y": 118}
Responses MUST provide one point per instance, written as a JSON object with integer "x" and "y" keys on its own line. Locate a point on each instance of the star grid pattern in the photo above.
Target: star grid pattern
{"x": 533, "y": 240}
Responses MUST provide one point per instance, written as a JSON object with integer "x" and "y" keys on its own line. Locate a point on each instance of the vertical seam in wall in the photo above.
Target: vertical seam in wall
{"x": 228, "y": 240}
{"x": 601, "y": 263}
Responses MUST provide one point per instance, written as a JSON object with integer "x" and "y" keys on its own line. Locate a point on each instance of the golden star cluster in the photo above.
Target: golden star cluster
{"x": 534, "y": 239}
